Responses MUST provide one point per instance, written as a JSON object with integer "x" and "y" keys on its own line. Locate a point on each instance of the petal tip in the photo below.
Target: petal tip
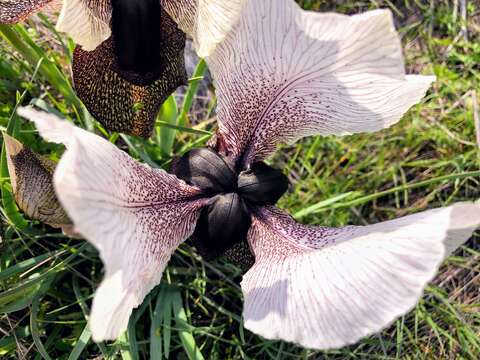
{"x": 50, "y": 126}
{"x": 12, "y": 145}
{"x": 85, "y": 23}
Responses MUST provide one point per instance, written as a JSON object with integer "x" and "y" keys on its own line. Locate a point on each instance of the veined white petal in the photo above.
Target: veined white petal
{"x": 86, "y": 21}
{"x": 207, "y": 21}
{"x": 134, "y": 215}
{"x": 215, "y": 19}
{"x": 283, "y": 73}
{"x": 325, "y": 288}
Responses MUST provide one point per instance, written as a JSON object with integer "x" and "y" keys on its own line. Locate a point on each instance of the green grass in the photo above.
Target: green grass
{"x": 429, "y": 159}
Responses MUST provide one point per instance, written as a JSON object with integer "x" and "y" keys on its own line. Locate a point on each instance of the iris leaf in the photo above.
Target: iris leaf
{"x": 160, "y": 329}
{"x": 167, "y": 322}
{"x": 184, "y": 129}
{"x": 81, "y": 344}
{"x": 168, "y": 116}
{"x": 193, "y": 84}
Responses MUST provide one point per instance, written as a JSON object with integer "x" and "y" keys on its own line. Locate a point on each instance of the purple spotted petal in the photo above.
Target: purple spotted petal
{"x": 13, "y": 11}
{"x": 135, "y": 216}
{"x": 206, "y": 21}
{"x": 86, "y": 21}
{"x": 283, "y": 73}
{"x": 325, "y": 288}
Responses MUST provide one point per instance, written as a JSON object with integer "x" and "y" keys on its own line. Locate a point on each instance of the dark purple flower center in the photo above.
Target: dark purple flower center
{"x": 234, "y": 194}
{"x": 137, "y": 38}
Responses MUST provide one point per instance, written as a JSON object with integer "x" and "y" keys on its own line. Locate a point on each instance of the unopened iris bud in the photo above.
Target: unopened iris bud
{"x": 31, "y": 176}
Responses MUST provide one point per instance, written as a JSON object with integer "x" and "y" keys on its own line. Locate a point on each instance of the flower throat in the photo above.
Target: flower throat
{"x": 234, "y": 195}
{"x": 137, "y": 38}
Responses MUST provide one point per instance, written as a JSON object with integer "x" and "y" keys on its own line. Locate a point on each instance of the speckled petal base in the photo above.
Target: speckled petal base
{"x": 13, "y": 11}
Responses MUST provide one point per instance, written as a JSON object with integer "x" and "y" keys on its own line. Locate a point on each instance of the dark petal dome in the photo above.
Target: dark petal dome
{"x": 262, "y": 184}
{"x": 118, "y": 104}
{"x": 207, "y": 170}
{"x": 222, "y": 224}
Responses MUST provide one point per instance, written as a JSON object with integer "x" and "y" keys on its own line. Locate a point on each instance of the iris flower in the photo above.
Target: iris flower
{"x": 281, "y": 74}
{"x": 130, "y": 54}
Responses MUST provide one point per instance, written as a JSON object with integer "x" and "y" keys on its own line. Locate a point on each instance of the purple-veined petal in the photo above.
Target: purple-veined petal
{"x": 86, "y": 21}
{"x": 207, "y": 21}
{"x": 283, "y": 73}
{"x": 325, "y": 288}
{"x": 13, "y": 11}
{"x": 128, "y": 106}
{"x": 134, "y": 215}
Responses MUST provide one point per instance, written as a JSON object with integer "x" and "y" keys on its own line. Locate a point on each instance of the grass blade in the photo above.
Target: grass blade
{"x": 34, "y": 323}
{"x": 185, "y": 330}
{"x": 18, "y": 37}
{"x": 81, "y": 344}
{"x": 314, "y": 208}
{"x": 27, "y": 264}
